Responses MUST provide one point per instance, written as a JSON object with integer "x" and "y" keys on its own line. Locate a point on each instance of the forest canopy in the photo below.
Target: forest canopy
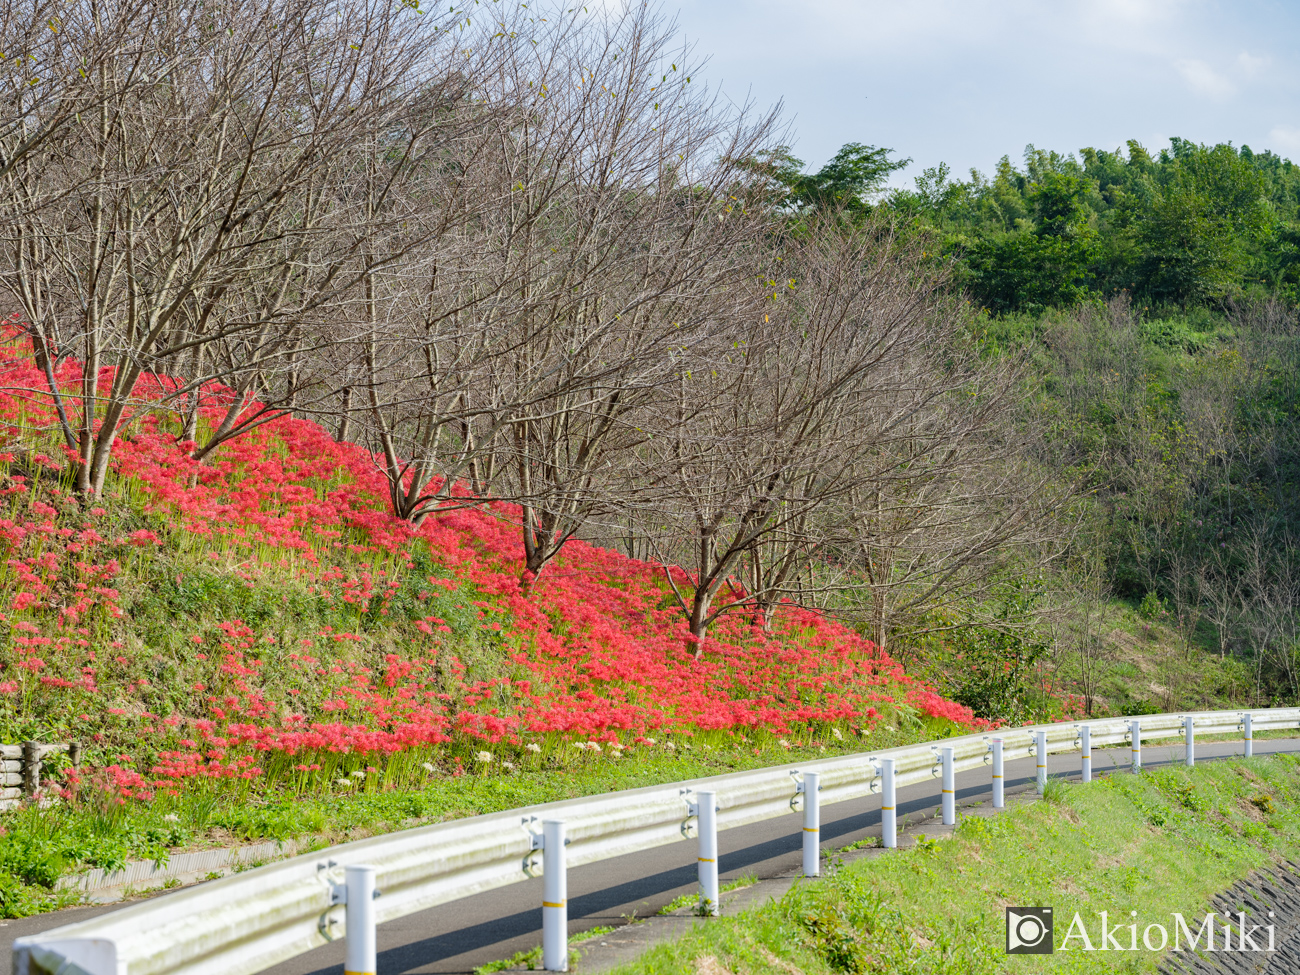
{"x": 1190, "y": 225}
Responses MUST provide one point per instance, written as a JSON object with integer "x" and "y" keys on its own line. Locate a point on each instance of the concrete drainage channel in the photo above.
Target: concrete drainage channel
{"x": 1274, "y": 889}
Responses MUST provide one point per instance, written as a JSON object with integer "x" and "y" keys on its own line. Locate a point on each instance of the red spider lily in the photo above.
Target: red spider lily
{"x": 586, "y": 653}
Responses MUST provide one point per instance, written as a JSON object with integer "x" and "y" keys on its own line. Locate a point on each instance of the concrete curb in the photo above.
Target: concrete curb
{"x": 99, "y": 886}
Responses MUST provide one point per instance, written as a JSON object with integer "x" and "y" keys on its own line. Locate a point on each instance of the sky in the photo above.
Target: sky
{"x": 968, "y": 81}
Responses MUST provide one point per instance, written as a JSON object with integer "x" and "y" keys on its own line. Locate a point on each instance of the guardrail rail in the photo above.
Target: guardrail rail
{"x": 250, "y": 921}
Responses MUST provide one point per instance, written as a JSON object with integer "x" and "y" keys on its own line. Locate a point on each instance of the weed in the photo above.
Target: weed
{"x": 745, "y": 880}
{"x": 866, "y": 843}
{"x": 1055, "y": 791}
{"x": 679, "y": 902}
{"x": 531, "y": 958}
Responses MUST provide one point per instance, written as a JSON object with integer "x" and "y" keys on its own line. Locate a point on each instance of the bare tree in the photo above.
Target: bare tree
{"x": 597, "y": 217}
{"x": 54, "y": 62}
{"x": 1082, "y": 628}
{"x": 766, "y": 429}
{"x": 189, "y": 187}
{"x": 959, "y": 512}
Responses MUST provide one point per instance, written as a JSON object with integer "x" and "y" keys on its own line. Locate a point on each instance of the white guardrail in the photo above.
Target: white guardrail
{"x": 253, "y": 920}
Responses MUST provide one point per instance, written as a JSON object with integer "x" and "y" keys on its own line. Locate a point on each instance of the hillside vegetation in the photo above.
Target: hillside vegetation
{"x": 242, "y": 643}
{"x": 1162, "y": 842}
{"x": 267, "y": 591}
{"x": 1150, "y": 298}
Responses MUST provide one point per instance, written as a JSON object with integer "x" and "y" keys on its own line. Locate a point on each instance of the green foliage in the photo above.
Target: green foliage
{"x": 1194, "y": 225}
{"x": 1025, "y": 271}
{"x": 845, "y": 183}
{"x": 1153, "y": 607}
{"x": 1183, "y": 427}
{"x": 1197, "y": 232}
{"x": 993, "y": 672}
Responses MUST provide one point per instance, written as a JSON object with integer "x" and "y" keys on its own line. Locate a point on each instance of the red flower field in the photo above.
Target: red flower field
{"x": 373, "y": 644}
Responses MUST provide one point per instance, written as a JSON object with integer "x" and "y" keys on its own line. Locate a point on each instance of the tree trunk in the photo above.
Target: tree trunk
{"x": 701, "y": 603}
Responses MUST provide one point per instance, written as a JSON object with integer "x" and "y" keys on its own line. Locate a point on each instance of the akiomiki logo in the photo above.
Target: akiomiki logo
{"x": 1030, "y": 932}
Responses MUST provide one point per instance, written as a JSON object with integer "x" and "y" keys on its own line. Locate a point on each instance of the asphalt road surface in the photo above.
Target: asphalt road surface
{"x": 457, "y": 937}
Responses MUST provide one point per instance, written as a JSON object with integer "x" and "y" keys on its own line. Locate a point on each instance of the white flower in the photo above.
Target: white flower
{"x": 508, "y": 766}
{"x": 592, "y": 746}
{"x": 671, "y": 747}
{"x": 649, "y": 741}
{"x": 783, "y": 743}
{"x": 483, "y": 757}
{"x": 171, "y": 818}
{"x": 580, "y": 745}
{"x": 346, "y": 783}
{"x": 359, "y": 774}
{"x": 839, "y": 735}
{"x": 890, "y": 727}
{"x": 428, "y": 767}
{"x": 533, "y": 747}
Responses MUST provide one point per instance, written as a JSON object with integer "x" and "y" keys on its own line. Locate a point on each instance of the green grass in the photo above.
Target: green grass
{"x": 1161, "y": 842}
{"x": 39, "y": 846}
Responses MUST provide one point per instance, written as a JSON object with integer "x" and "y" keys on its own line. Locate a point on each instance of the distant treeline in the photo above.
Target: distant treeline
{"x": 1190, "y": 225}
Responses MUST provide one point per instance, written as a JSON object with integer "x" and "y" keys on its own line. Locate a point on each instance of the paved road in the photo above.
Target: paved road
{"x": 456, "y": 937}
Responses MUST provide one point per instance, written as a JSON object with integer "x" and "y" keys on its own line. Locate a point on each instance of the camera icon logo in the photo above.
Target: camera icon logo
{"x": 1029, "y": 930}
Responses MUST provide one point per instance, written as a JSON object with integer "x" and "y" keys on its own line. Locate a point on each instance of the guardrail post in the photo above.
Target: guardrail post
{"x": 1135, "y": 732}
{"x": 359, "y": 912}
{"x": 708, "y": 854}
{"x": 555, "y": 898}
{"x": 888, "y": 802}
{"x": 949, "y": 787}
{"x": 1085, "y": 748}
{"x": 1040, "y": 750}
{"x": 997, "y": 773}
{"x": 812, "y": 823}
{"x": 1249, "y": 743}
{"x": 1189, "y": 734}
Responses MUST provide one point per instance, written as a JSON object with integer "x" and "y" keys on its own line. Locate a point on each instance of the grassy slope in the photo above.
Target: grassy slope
{"x": 1164, "y": 841}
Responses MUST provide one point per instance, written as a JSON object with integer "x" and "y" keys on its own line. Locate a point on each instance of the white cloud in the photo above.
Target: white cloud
{"x": 1204, "y": 80}
{"x": 965, "y": 81}
{"x": 1252, "y": 66}
{"x": 1285, "y": 140}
